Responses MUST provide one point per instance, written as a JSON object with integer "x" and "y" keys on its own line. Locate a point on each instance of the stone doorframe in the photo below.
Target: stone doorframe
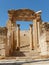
{"x": 22, "y": 15}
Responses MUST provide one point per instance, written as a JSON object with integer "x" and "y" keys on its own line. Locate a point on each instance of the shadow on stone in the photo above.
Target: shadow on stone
{"x": 25, "y": 46}
{"x": 18, "y": 54}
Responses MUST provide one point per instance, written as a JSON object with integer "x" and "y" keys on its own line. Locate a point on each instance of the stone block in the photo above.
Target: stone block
{"x": 2, "y": 52}
{"x": 2, "y": 46}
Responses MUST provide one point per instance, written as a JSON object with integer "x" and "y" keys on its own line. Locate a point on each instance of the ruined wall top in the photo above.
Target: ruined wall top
{"x": 3, "y": 30}
{"x": 45, "y": 27}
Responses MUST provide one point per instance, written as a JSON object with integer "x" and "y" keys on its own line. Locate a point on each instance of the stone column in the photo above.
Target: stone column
{"x": 18, "y": 37}
{"x": 35, "y": 35}
{"x": 31, "y": 37}
{"x": 8, "y": 45}
{"x": 10, "y": 36}
{"x": 39, "y": 33}
{"x": 12, "y": 42}
{"x": 15, "y": 41}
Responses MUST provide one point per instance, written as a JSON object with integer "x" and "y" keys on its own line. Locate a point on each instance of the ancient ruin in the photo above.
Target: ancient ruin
{"x": 37, "y": 36}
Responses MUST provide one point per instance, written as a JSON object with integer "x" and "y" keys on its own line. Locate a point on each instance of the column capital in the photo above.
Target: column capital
{"x": 18, "y": 36}
{"x": 37, "y": 19}
{"x": 31, "y": 25}
{"x": 18, "y": 25}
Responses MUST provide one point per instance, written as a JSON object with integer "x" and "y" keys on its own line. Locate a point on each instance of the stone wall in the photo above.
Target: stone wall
{"x": 44, "y": 38}
{"x": 3, "y": 39}
{"x": 24, "y": 39}
{"x": 46, "y": 30}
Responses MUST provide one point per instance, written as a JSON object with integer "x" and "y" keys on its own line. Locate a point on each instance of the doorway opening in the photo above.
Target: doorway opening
{"x": 24, "y": 34}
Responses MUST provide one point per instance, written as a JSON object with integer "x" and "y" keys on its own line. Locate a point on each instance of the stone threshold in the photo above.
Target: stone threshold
{"x": 22, "y": 61}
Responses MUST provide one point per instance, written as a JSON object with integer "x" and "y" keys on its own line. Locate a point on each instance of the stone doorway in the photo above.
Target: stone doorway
{"x": 25, "y": 34}
{"x": 22, "y": 15}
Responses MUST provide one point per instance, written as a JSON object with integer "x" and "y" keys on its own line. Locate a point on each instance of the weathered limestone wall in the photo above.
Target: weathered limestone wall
{"x": 46, "y": 26}
{"x": 47, "y": 39}
{"x": 25, "y": 39}
{"x": 44, "y": 39}
{"x": 3, "y": 40}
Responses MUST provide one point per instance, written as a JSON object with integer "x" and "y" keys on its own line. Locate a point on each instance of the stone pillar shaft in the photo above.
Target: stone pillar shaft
{"x": 8, "y": 45}
{"x": 14, "y": 41}
{"x": 35, "y": 35}
{"x": 31, "y": 37}
{"x": 18, "y": 37}
{"x": 10, "y": 36}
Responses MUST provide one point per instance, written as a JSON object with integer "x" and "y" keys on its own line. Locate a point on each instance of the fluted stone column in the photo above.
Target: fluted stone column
{"x": 18, "y": 37}
{"x": 31, "y": 37}
{"x": 35, "y": 35}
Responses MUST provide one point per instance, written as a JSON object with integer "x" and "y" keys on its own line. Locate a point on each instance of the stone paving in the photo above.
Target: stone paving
{"x": 31, "y": 59}
{"x": 28, "y": 62}
{"x": 25, "y": 57}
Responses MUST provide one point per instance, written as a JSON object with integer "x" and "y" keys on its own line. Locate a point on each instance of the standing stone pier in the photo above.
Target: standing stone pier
{"x": 31, "y": 37}
{"x": 18, "y": 37}
{"x": 35, "y": 35}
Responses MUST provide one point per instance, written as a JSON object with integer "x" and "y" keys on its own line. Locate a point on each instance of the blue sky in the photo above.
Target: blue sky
{"x": 35, "y": 5}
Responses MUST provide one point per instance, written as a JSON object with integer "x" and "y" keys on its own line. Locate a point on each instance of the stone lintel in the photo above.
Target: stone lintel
{"x": 23, "y": 14}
